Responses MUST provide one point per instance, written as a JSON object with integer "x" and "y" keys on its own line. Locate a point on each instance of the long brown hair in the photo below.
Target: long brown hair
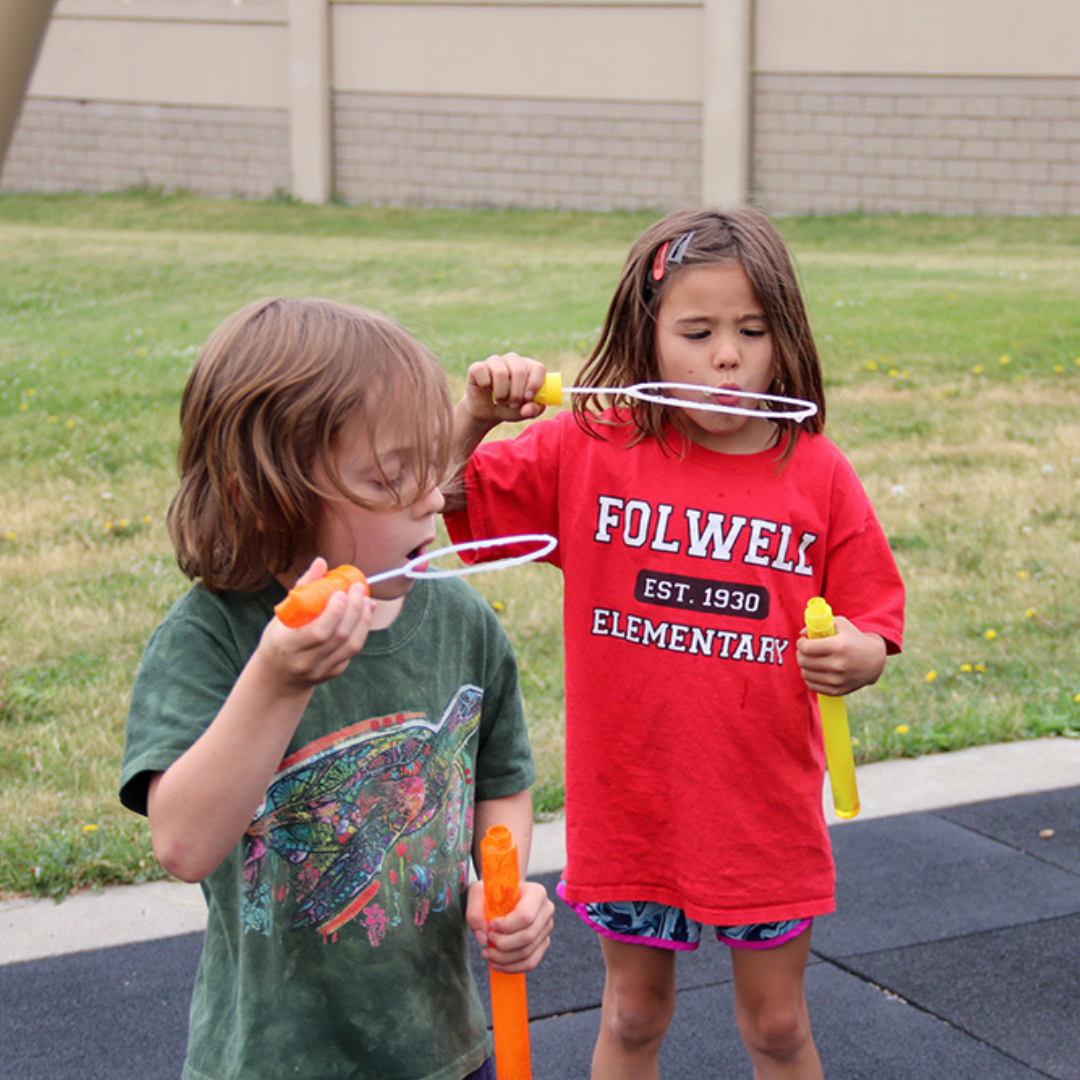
{"x": 626, "y": 351}
{"x": 273, "y": 392}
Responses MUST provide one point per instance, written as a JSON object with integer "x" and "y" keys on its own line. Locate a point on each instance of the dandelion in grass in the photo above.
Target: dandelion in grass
{"x": 977, "y": 369}
{"x": 1005, "y": 361}
{"x": 1076, "y": 700}
{"x": 1023, "y": 575}
{"x": 89, "y": 828}
{"x": 980, "y": 668}
{"x": 1029, "y": 613}
{"x": 991, "y": 634}
{"x": 498, "y": 605}
{"x": 931, "y": 676}
{"x": 967, "y": 669}
{"x": 901, "y": 729}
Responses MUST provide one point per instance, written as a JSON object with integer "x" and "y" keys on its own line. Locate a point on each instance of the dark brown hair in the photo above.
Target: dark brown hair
{"x": 626, "y": 351}
{"x": 274, "y": 390}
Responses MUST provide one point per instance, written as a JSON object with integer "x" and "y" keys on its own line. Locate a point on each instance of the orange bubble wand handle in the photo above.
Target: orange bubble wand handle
{"x": 509, "y": 1002}
{"x": 834, "y": 723}
{"x": 306, "y": 602}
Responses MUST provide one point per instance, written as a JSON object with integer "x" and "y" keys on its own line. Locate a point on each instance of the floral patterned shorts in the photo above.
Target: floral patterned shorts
{"x": 649, "y": 923}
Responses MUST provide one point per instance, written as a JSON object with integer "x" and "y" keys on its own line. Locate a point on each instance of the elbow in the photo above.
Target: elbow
{"x": 181, "y": 862}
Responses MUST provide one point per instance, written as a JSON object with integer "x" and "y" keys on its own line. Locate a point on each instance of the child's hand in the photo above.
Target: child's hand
{"x": 502, "y": 388}
{"x": 321, "y": 650}
{"x": 514, "y": 942}
{"x": 842, "y": 663}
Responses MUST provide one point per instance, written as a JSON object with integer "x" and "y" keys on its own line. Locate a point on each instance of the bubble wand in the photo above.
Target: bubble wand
{"x": 509, "y": 1001}
{"x": 834, "y": 722}
{"x": 306, "y": 602}
{"x": 660, "y": 393}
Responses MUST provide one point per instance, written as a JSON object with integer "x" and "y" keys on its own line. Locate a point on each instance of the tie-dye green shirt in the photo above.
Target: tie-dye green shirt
{"x": 336, "y": 944}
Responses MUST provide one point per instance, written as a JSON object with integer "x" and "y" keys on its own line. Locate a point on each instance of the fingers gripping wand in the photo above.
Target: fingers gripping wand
{"x": 509, "y": 1002}
{"x": 834, "y": 723}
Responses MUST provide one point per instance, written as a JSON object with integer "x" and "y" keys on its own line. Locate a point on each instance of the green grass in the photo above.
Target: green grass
{"x": 951, "y": 350}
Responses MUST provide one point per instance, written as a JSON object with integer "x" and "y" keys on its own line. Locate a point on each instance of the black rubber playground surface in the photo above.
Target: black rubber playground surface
{"x": 954, "y": 955}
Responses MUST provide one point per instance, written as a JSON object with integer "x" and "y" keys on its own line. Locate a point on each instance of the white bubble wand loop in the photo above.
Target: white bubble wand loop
{"x": 420, "y": 566}
{"x": 304, "y": 603}
{"x": 664, "y": 393}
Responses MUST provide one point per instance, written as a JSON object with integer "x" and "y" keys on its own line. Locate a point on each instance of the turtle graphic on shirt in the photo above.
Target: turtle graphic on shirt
{"x": 337, "y": 806}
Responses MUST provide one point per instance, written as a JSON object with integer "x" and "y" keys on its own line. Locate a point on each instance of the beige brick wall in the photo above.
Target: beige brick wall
{"x": 99, "y": 146}
{"x": 889, "y": 144}
{"x": 468, "y": 152}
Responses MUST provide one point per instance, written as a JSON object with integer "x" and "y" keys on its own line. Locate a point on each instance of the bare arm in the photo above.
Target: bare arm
{"x": 200, "y": 806}
{"x": 515, "y": 942}
{"x": 497, "y": 390}
{"x": 843, "y": 663}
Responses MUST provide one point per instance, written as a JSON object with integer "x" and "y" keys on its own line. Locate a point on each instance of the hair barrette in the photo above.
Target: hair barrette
{"x": 668, "y": 252}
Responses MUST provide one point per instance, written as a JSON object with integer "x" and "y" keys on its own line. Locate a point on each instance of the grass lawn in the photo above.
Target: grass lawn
{"x": 952, "y": 355}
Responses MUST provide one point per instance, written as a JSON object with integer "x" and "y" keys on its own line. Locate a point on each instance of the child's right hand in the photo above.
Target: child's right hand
{"x": 321, "y": 650}
{"x": 501, "y": 388}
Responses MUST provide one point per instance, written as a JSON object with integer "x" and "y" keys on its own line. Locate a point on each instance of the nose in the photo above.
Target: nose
{"x": 430, "y": 502}
{"x": 727, "y": 351}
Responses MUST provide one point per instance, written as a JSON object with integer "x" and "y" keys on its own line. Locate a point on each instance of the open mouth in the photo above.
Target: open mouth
{"x": 415, "y": 557}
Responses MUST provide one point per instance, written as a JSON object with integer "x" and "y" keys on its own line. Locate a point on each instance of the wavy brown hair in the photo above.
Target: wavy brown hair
{"x": 626, "y": 351}
{"x": 274, "y": 391}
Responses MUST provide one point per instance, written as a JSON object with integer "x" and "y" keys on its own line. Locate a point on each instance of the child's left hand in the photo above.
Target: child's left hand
{"x": 842, "y": 663}
{"x": 515, "y": 942}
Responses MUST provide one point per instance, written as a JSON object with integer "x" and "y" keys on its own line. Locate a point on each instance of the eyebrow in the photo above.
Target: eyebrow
{"x": 756, "y": 316}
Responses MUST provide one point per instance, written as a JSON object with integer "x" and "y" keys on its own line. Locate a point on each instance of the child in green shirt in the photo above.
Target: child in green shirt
{"x": 327, "y": 784}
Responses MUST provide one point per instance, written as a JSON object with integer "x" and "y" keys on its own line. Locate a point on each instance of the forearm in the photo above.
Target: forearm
{"x": 200, "y": 807}
{"x": 513, "y": 811}
{"x": 469, "y": 433}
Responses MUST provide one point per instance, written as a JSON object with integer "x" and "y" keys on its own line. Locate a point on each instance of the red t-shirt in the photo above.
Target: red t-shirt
{"x": 694, "y": 760}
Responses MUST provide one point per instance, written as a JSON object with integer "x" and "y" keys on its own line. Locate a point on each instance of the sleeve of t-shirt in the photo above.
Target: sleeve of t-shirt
{"x": 504, "y": 762}
{"x": 187, "y": 672}
{"x": 512, "y": 487}
{"x": 862, "y": 580}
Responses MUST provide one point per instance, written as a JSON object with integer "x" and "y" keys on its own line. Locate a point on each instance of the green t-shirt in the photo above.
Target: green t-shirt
{"x": 336, "y": 944}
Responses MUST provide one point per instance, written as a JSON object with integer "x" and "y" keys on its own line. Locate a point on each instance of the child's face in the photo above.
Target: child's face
{"x": 383, "y": 539}
{"x": 711, "y": 331}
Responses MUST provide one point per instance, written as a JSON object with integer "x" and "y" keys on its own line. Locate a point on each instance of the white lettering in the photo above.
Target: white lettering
{"x": 641, "y": 512}
{"x": 722, "y": 543}
{"x": 760, "y": 537}
{"x": 660, "y": 541}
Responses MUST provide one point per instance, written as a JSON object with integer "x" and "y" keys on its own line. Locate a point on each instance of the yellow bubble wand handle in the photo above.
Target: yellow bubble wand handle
{"x": 834, "y": 722}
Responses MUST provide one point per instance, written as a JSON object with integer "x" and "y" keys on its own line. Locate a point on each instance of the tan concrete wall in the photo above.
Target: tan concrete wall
{"x": 811, "y": 106}
{"x": 184, "y": 94}
{"x": 841, "y": 143}
{"x": 955, "y": 107}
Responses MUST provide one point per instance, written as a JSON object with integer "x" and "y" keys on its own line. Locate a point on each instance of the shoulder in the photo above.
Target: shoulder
{"x": 228, "y": 620}
{"x": 819, "y": 454}
{"x": 456, "y": 602}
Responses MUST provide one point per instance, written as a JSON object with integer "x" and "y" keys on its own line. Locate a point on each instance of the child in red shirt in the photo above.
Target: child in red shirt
{"x": 690, "y": 542}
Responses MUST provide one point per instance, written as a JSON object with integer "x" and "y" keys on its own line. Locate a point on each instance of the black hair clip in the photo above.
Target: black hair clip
{"x": 670, "y": 251}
